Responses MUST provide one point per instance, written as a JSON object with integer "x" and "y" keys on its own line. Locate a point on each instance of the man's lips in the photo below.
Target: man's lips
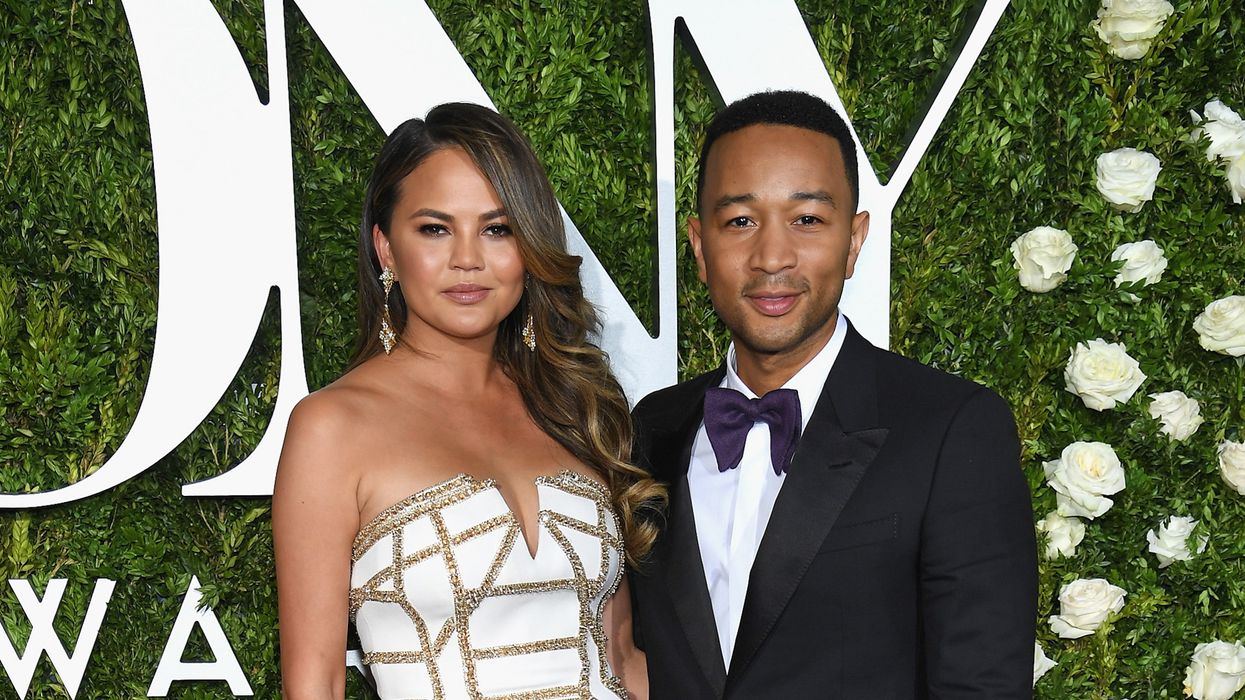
{"x": 773, "y": 303}
{"x": 466, "y": 293}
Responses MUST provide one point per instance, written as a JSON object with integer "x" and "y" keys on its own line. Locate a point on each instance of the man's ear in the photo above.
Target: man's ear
{"x": 380, "y": 242}
{"x": 693, "y": 238}
{"x": 860, "y": 231}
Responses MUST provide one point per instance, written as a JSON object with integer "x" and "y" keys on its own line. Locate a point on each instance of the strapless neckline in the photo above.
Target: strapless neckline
{"x": 454, "y": 483}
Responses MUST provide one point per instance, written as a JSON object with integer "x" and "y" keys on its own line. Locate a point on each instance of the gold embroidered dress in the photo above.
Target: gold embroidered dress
{"x": 449, "y": 603}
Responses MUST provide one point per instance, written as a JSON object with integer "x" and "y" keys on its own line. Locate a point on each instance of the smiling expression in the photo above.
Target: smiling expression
{"x": 778, "y": 237}
{"x": 452, "y": 249}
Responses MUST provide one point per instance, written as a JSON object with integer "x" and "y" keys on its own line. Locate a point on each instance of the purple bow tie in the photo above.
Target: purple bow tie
{"x": 729, "y": 415}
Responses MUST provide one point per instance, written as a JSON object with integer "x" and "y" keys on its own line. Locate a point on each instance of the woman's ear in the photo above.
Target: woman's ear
{"x": 380, "y": 242}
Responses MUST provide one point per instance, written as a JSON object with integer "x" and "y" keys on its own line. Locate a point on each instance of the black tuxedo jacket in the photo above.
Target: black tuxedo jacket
{"x": 899, "y": 561}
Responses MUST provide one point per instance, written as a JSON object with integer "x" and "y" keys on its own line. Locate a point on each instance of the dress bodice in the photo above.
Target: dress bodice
{"x": 449, "y": 603}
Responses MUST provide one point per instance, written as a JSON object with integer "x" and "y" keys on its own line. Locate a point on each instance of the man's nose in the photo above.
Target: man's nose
{"x": 773, "y": 250}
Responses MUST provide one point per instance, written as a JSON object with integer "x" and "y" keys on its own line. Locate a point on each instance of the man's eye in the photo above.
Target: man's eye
{"x": 739, "y": 222}
{"x": 498, "y": 230}
{"x": 808, "y": 220}
{"x": 433, "y": 230}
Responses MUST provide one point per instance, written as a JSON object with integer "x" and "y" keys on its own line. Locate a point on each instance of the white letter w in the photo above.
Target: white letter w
{"x": 40, "y": 613}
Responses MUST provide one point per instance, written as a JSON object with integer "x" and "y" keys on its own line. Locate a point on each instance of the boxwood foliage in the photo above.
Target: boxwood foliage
{"x": 78, "y": 282}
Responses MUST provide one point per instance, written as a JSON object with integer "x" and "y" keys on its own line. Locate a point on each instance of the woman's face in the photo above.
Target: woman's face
{"x": 452, "y": 249}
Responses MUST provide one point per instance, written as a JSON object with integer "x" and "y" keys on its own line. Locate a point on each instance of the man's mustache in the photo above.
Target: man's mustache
{"x": 781, "y": 281}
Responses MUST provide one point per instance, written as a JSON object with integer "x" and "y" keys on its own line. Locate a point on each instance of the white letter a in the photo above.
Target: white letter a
{"x": 172, "y": 668}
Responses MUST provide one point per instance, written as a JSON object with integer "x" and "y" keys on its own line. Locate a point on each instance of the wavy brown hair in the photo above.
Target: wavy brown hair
{"x": 566, "y": 384}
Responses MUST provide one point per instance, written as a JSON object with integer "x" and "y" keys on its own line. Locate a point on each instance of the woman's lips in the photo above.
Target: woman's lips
{"x": 775, "y": 303}
{"x": 466, "y": 293}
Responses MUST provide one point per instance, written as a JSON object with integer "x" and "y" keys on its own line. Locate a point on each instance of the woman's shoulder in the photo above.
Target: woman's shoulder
{"x": 329, "y": 428}
{"x": 340, "y": 408}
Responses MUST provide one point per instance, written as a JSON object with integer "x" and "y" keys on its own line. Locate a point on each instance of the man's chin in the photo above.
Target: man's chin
{"x": 768, "y": 343}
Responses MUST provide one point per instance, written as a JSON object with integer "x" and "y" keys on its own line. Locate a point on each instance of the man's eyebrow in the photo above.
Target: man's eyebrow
{"x": 817, "y": 196}
{"x": 727, "y": 200}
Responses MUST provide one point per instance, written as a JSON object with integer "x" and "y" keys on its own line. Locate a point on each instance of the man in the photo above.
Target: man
{"x": 862, "y": 530}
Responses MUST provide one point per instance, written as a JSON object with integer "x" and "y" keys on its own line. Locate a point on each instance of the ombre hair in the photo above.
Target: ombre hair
{"x": 566, "y": 384}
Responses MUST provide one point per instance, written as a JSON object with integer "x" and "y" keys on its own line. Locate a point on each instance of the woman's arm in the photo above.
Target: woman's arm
{"x": 314, "y": 519}
{"x": 627, "y": 661}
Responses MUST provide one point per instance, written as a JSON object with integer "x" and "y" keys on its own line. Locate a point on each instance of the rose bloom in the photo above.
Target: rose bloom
{"x": 1221, "y": 326}
{"x": 1084, "y": 605}
{"x": 1143, "y": 262}
{"x": 1129, "y": 26}
{"x": 1041, "y": 664}
{"x": 1232, "y": 464}
{"x": 1126, "y": 177}
{"x": 1062, "y": 534}
{"x": 1224, "y": 128}
{"x": 1083, "y": 476}
{"x": 1102, "y": 374}
{"x": 1236, "y": 178}
{"x": 1170, "y": 543}
{"x": 1180, "y": 415}
{"x": 1043, "y": 256}
{"x": 1216, "y": 671}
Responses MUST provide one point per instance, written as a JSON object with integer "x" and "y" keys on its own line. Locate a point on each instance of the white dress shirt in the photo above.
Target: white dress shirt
{"x": 732, "y": 508}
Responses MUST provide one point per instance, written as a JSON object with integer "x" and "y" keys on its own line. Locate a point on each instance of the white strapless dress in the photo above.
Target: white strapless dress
{"x": 449, "y": 603}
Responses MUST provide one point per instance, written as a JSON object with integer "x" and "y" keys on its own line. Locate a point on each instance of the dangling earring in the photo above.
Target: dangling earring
{"x": 529, "y": 334}
{"x": 387, "y": 337}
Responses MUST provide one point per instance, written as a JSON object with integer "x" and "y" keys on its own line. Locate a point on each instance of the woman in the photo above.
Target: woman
{"x": 463, "y": 491}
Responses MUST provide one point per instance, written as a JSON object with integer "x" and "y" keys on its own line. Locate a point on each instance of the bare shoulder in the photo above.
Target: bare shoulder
{"x": 339, "y": 413}
{"x": 326, "y": 432}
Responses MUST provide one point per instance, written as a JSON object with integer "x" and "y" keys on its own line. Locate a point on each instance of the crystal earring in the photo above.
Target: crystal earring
{"x": 529, "y": 334}
{"x": 387, "y": 337}
{"x": 529, "y": 331}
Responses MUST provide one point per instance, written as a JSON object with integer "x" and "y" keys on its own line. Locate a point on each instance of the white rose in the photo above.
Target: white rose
{"x": 1221, "y": 326}
{"x": 1083, "y": 476}
{"x": 1129, "y": 26}
{"x": 1216, "y": 671}
{"x": 1143, "y": 261}
{"x": 1236, "y": 178}
{"x": 1102, "y": 374}
{"x": 1062, "y": 534}
{"x": 1232, "y": 464}
{"x": 1171, "y": 542}
{"x": 1126, "y": 177}
{"x": 1043, "y": 256}
{"x": 1226, "y": 131}
{"x": 1041, "y": 663}
{"x": 1179, "y": 414}
{"x": 1084, "y": 605}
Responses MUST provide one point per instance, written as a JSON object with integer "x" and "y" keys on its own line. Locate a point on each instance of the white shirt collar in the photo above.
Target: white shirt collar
{"x": 808, "y": 382}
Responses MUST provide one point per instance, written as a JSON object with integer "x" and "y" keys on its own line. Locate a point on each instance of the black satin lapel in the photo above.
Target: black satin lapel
{"x": 685, "y": 582}
{"x": 827, "y": 466}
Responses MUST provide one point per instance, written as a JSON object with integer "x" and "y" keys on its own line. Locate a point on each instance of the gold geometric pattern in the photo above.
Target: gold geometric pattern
{"x": 440, "y": 522}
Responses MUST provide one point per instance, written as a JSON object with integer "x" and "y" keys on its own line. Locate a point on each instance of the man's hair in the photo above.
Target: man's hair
{"x": 786, "y": 108}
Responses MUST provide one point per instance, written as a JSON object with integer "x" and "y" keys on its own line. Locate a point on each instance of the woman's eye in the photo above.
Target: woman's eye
{"x": 433, "y": 230}
{"x": 498, "y": 230}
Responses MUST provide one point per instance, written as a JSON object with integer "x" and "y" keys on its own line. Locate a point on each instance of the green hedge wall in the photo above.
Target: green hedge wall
{"x": 78, "y": 278}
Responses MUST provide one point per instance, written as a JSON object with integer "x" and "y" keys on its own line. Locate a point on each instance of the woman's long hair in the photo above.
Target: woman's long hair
{"x": 566, "y": 383}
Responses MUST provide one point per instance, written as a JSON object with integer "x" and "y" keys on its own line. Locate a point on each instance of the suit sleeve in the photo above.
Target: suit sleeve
{"x": 639, "y": 457}
{"x": 979, "y": 560}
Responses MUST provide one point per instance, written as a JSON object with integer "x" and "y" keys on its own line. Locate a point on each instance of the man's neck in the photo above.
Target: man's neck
{"x": 763, "y": 372}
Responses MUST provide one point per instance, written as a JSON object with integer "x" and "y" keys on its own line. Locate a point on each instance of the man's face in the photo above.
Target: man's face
{"x": 778, "y": 236}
